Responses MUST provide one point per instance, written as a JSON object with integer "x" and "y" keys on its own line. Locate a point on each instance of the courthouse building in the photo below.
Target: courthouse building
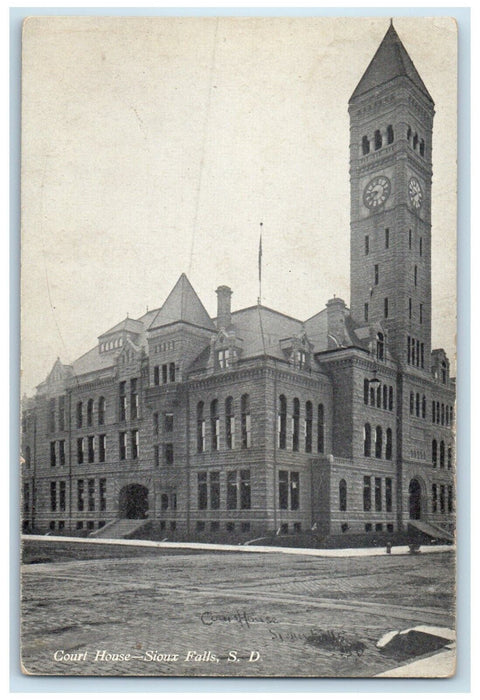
{"x": 255, "y": 422}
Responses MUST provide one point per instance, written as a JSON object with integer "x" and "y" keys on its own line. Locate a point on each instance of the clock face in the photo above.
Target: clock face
{"x": 376, "y": 192}
{"x": 415, "y": 193}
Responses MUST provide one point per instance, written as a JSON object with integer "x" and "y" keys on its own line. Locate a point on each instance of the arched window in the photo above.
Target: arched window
{"x": 390, "y": 398}
{"x": 385, "y": 397}
{"x": 442, "y": 454}
{"x": 367, "y": 440}
{"x": 422, "y": 147}
{"x": 200, "y": 427}
{"x": 388, "y": 444}
{"x": 79, "y": 414}
{"x": 295, "y": 424}
{"x": 372, "y": 395}
{"x": 246, "y": 421}
{"x": 320, "y": 428}
{"x": 415, "y": 142}
{"x": 424, "y": 406}
{"x": 101, "y": 410}
{"x": 342, "y": 494}
{"x": 90, "y": 412}
{"x": 379, "y": 396}
{"x": 229, "y": 423}
{"x": 438, "y": 412}
{"x": 442, "y": 414}
{"x": 366, "y": 386}
{"x": 282, "y": 422}
{"x": 214, "y": 424}
{"x": 378, "y": 442}
{"x": 377, "y": 138}
{"x": 380, "y": 346}
{"x": 365, "y": 146}
{"x": 389, "y": 134}
{"x": 308, "y": 426}
{"x": 434, "y": 453}
{"x": 409, "y": 134}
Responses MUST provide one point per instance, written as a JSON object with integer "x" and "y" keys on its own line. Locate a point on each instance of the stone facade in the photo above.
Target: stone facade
{"x": 256, "y": 422}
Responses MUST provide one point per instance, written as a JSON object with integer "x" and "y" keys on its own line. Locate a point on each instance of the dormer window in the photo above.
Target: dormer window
{"x": 301, "y": 359}
{"x": 223, "y": 358}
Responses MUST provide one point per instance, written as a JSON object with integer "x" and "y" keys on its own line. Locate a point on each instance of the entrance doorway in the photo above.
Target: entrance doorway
{"x": 133, "y": 502}
{"x": 415, "y": 500}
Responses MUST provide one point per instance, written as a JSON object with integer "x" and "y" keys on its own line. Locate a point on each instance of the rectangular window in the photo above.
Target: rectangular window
{"x": 168, "y": 422}
{"x": 91, "y": 448}
{"x": 156, "y": 455}
{"x": 134, "y": 444}
{"x": 61, "y": 452}
{"x": 133, "y": 399}
{"x": 102, "y": 488}
{"x": 91, "y": 494}
{"x": 378, "y": 494}
{"x": 367, "y": 494}
{"x": 434, "y": 498}
{"x": 294, "y": 490}
{"x": 155, "y": 424}
{"x": 53, "y": 455}
{"x": 420, "y": 246}
{"x": 450, "y": 499}
{"x": 80, "y": 450}
{"x": 168, "y": 453}
{"x": 232, "y": 491}
{"x": 365, "y": 312}
{"x": 53, "y": 496}
{"x": 367, "y": 245}
{"x": 122, "y": 445}
{"x": 385, "y": 307}
{"x": 202, "y": 490}
{"x": 410, "y": 239}
{"x": 156, "y": 375}
{"x": 283, "y": 490}
{"x": 376, "y": 274}
{"x": 171, "y": 371}
{"x": 90, "y": 412}
{"x": 409, "y": 312}
{"x": 164, "y": 374}
{"x": 102, "y": 443}
{"x": 442, "y": 498}
{"x": 214, "y": 490}
{"x": 122, "y": 402}
{"x": 421, "y": 313}
{"x": 245, "y": 489}
{"x": 80, "y": 493}
{"x": 223, "y": 358}
{"x": 387, "y": 238}
{"x": 388, "y": 495}
{"x": 422, "y": 356}
{"x": 415, "y": 275}
{"x": 62, "y": 498}
{"x": 61, "y": 413}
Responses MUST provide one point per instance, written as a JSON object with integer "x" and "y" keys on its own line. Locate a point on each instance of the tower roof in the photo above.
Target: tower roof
{"x": 183, "y": 304}
{"x": 390, "y": 61}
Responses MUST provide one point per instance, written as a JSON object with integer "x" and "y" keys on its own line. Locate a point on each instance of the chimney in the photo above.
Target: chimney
{"x": 224, "y": 316}
{"x": 336, "y": 319}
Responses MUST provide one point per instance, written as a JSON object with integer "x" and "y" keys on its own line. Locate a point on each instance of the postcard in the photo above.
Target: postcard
{"x": 238, "y": 346}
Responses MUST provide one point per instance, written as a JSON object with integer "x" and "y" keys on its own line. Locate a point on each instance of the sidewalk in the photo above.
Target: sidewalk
{"x": 360, "y": 552}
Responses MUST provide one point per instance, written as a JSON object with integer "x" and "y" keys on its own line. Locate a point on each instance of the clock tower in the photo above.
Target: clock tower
{"x": 391, "y": 119}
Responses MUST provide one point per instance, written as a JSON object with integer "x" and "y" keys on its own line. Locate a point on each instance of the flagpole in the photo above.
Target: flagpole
{"x": 259, "y": 300}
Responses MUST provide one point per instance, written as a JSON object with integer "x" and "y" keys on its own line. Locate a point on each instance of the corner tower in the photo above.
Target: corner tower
{"x": 391, "y": 120}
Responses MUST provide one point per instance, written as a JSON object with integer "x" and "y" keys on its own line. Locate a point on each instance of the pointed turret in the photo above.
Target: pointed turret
{"x": 390, "y": 61}
{"x": 183, "y": 304}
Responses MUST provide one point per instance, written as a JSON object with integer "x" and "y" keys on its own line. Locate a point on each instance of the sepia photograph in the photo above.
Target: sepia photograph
{"x": 238, "y": 346}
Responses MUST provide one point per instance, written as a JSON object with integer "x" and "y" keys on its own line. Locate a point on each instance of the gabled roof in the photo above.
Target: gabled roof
{"x": 183, "y": 304}
{"x": 128, "y": 324}
{"x": 390, "y": 61}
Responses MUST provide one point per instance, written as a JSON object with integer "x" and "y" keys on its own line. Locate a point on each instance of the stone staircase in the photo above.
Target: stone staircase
{"x": 118, "y": 529}
{"x": 433, "y": 531}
